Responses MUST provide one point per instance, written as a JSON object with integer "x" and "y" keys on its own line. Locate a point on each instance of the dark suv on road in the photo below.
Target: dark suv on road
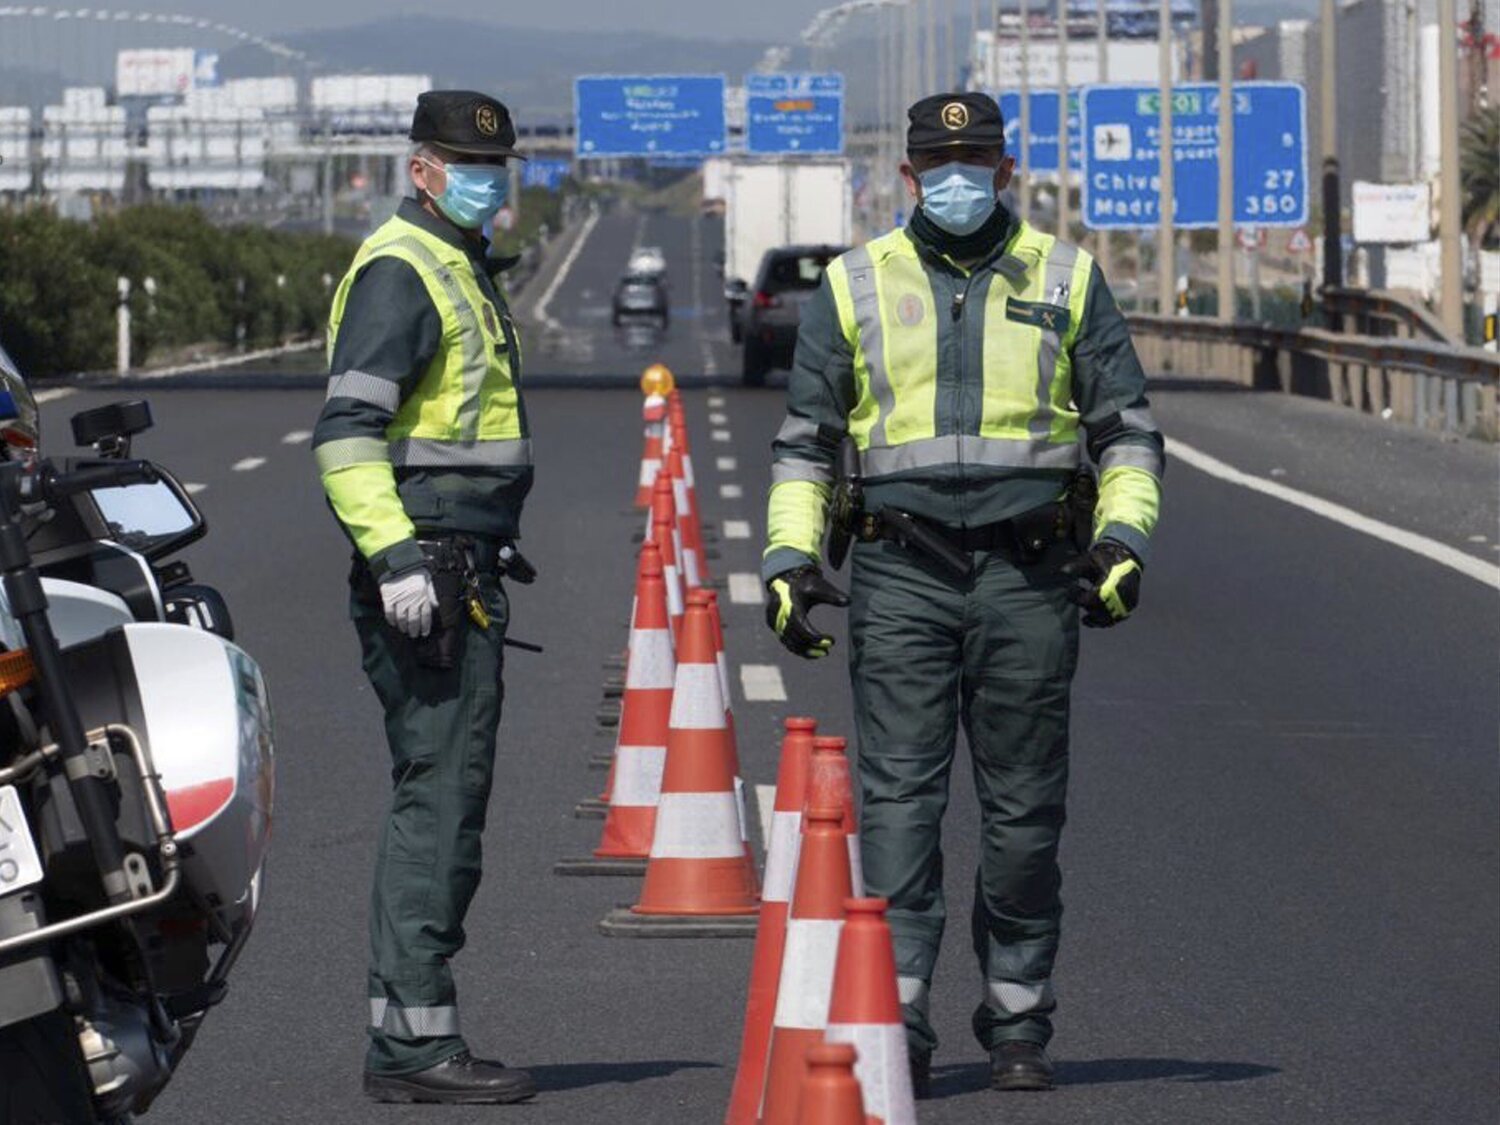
{"x": 787, "y": 278}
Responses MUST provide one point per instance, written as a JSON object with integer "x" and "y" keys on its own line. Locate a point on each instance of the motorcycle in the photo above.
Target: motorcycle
{"x": 136, "y": 775}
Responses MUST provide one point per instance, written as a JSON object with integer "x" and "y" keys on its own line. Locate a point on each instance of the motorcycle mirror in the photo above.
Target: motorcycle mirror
{"x": 152, "y": 519}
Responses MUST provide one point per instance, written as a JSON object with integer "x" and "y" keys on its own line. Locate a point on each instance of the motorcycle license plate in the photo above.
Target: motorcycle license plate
{"x": 19, "y": 864}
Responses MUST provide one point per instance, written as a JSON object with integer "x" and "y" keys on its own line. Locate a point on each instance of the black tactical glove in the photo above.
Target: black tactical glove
{"x": 1108, "y": 583}
{"x": 793, "y": 594}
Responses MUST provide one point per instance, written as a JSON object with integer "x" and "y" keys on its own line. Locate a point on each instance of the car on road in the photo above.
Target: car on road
{"x": 647, "y": 259}
{"x": 640, "y": 295}
{"x": 771, "y": 310}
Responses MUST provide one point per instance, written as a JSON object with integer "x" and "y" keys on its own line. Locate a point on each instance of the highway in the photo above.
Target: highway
{"x": 1281, "y": 859}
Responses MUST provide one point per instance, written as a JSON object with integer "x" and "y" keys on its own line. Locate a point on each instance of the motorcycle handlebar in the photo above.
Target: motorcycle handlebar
{"x": 47, "y": 485}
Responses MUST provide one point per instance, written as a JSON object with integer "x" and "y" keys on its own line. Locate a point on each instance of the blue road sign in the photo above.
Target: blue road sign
{"x": 1045, "y": 131}
{"x": 1121, "y": 186}
{"x": 794, "y": 113}
{"x": 650, "y": 115}
{"x": 545, "y": 172}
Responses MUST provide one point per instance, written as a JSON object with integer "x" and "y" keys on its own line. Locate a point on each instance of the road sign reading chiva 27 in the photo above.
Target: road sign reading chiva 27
{"x": 649, "y": 115}
{"x": 1121, "y": 182}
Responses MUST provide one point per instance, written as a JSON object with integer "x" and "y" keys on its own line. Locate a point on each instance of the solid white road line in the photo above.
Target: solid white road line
{"x": 721, "y": 435}
{"x": 736, "y": 529}
{"x": 745, "y": 589}
{"x": 52, "y": 394}
{"x": 562, "y": 271}
{"x": 248, "y": 464}
{"x": 1429, "y": 549}
{"x": 726, "y": 464}
{"x": 296, "y": 437}
{"x": 731, "y": 491}
{"x": 765, "y": 805}
{"x": 193, "y": 488}
{"x": 761, "y": 683}
{"x": 718, "y": 419}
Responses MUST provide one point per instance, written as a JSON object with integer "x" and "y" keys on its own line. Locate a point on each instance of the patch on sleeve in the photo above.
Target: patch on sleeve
{"x": 1052, "y": 318}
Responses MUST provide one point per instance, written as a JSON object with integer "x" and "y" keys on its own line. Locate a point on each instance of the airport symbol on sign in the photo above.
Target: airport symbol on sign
{"x": 1112, "y": 142}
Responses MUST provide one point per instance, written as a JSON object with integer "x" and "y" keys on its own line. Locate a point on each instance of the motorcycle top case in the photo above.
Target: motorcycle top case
{"x": 199, "y": 705}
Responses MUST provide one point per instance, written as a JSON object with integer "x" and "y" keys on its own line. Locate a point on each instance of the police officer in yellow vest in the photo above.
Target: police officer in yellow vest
{"x": 953, "y": 366}
{"x": 424, "y": 453}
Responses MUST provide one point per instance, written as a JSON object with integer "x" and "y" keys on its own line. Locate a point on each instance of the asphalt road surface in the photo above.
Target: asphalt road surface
{"x": 1281, "y": 859}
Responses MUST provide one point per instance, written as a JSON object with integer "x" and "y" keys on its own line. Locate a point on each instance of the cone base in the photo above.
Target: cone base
{"x": 623, "y": 921}
{"x": 591, "y": 808}
{"x": 600, "y": 865}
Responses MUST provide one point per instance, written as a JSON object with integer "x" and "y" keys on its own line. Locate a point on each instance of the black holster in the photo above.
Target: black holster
{"x": 439, "y": 648}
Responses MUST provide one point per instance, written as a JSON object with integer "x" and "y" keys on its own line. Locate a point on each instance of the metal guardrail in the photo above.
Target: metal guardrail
{"x": 1425, "y": 383}
{"x": 1379, "y": 312}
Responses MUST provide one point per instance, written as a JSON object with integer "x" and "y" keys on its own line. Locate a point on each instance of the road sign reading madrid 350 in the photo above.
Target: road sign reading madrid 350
{"x": 1121, "y": 184}
{"x": 650, "y": 115}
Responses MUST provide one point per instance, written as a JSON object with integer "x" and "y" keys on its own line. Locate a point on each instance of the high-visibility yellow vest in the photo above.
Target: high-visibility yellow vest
{"x": 1020, "y": 338}
{"x": 466, "y": 411}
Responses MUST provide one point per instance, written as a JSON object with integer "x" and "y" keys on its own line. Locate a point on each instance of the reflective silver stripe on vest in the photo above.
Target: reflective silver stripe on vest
{"x": 792, "y": 468}
{"x": 344, "y": 452}
{"x": 412, "y": 1023}
{"x": 427, "y": 453}
{"x": 1139, "y": 418}
{"x": 1016, "y": 997}
{"x": 865, "y": 297}
{"x": 364, "y": 387}
{"x": 796, "y": 429}
{"x": 1057, "y": 286}
{"x": 471, "y": 335}
{"x": 970, "y": 449}
{"x": 1132, "y": 457}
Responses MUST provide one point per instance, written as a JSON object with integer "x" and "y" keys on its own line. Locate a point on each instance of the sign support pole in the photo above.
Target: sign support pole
{"x": 1166, "y": 236}
{"x": 1025, "y": 189}
{"x": 1333, "y": 250}
{"x": 1225, "y": 26}
{"x": 1064, "y": 216}
{"x": 1105, "y": 258}
{"x": 1450, "y": 223}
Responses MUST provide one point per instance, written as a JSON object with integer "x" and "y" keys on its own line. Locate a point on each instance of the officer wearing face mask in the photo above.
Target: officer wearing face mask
{"x": 424, "y": 453}
{"x": 944, "y": 376}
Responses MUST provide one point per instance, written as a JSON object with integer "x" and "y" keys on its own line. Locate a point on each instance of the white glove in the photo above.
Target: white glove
{"x": 409, "y": 600}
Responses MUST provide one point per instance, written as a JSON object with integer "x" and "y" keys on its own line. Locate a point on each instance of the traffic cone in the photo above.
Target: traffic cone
{"x": 829, "y": 779}
{"x": 866, "y": 1012}
{"x": 812, "y": 937}
{"x": 654, "y": 413}
{"x": 664, "y": 535}
{"x": 699, "y": 881}
{"x": 711, "y": 600}
{"x": 830, "y": 1092}
{"x": 694, "y": 517}
{"x": 770, "y": 937}
{"x": 641, "y": 746}
{"x": 691, "y": 549}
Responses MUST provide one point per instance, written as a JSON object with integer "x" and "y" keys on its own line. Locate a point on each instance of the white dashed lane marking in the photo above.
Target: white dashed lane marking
{"x": 718, "y": 419}
{"x": 745, "y": 589}
{"x": 715, "y": 402}
{"x": 248, "y": 464}
{"x": 297, "y": 437}
{"x": 731, "y": 491}
{"x": 193, "y": 488}
{"x": 721, "y": 435}
{"x": 761, "y": 683}
{"x": 52, "y": 394}
{"x": 736, "y": 529}
{"x": 726, "y": 464}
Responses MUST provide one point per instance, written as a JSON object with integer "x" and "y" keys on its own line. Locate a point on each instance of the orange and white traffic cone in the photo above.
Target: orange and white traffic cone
{"x": 664, "y": 535}
{"x": 691, "y": 549}
{"x": 829, "y": 779}
{"x": 641, "y": 747}
{"x": 866, "y": 1012}
{"x": 654, "y": 414}
{"x": 699, "y": 881}
{"x": 711, "y": 600}
{"x": 830, "y": 1092}
{"x": 770, "y": 937}
{"x": 693, "y": 518}
{"x": 812, "y": 938}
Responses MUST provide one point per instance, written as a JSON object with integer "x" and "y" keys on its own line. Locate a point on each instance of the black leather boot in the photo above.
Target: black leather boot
{"x": 1020, "y": 1065}
{"x": 921, "y": 1073}
{"x": 460, "y": 1080}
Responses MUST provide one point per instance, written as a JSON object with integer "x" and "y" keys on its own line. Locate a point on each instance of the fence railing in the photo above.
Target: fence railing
{"x": 1376, "y": 312}
{"x": 1421, "y": 382}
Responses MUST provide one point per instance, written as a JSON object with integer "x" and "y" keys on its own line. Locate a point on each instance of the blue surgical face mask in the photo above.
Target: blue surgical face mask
{"x": 958, "y": 197}
{"x": 474, "y": 192}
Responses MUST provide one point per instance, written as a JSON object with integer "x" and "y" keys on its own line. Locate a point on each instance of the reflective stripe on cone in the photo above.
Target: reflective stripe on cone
{"x": 865, "y": 1010}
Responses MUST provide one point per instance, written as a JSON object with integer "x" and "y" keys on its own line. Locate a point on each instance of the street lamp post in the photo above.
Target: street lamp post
{"x": 1450, "y": 222}
{"x": 1333, "y": 251}
{"x": 1226, "y": 159}
{"x": 1024, "y": 192}
{"x": 1104, "y": 255}
{"x": 1064, "y": 216}
{"x": 1166, "y": 235}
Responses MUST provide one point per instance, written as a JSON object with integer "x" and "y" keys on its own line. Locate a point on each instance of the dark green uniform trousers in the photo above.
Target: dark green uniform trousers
{"x": 441, "y": 728}
{"x": 997, "y": 652}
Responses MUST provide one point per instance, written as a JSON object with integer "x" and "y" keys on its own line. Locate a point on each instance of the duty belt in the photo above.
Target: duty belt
{"x": 1024, "y": 538}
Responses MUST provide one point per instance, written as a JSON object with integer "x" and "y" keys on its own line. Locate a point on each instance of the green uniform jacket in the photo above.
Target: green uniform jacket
{"x": 1108, "y": 389}
{"x": 383, "y": 353}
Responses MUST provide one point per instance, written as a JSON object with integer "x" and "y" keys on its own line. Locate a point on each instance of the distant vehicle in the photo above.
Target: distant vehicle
{"x": 787, "y": 277}
{"x": 772, "y": 203}
{"x": 647, "y": 259}
{"x": 640, "y": 294}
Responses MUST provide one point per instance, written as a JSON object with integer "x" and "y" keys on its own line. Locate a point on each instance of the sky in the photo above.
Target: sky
{"x": 721, "y": 19}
